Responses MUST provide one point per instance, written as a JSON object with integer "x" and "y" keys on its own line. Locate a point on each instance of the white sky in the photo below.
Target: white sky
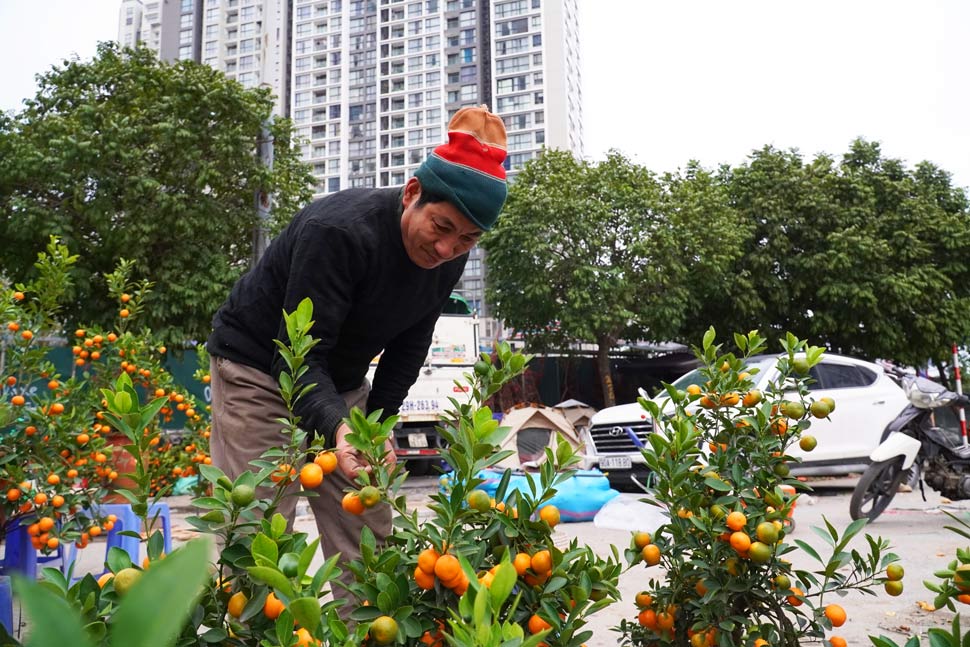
{"x": 669, "y": 81}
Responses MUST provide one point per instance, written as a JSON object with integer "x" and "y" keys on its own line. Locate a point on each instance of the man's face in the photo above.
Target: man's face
{"x": 434, "y": 233}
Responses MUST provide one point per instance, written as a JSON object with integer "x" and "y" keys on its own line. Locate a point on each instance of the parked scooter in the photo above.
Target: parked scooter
{"x": 923, "y": 441}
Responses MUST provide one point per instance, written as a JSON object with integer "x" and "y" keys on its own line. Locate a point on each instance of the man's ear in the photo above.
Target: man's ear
{"x": 412, "y": 190}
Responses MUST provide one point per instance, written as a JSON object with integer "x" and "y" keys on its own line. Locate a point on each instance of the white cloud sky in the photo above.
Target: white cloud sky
{"x": 666, "y": 82}
{"x": 673, "y": 80}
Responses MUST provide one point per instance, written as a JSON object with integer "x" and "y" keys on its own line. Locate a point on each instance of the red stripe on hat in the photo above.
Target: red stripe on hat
{"x": 465, "y": 149}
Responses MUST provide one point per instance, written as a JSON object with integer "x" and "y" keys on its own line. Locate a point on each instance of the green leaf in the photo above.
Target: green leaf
{"x": 940, "y": 638}
{"x": 502, "y": 583}
{"x": 173, "y": 584}
{"x": 278, "y": 525}
{"x": 117, "y": 559}
{"x": 272, "y": 577}
{"x": 55, "y": 623}
{"x": 708, "y": 338}
{"x": 717, "y": 484}
{"x": 306, "y": 557}
{"x": 265, "y": 551}
{"x": 307, "y": 612}
{"x": 211, "y": 473}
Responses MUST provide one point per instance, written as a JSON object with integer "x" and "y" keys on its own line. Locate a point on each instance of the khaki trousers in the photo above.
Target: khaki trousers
{"x": 245, "y": 405}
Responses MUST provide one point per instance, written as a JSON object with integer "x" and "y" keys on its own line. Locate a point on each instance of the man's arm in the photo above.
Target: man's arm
{"x": 325, "y": 265}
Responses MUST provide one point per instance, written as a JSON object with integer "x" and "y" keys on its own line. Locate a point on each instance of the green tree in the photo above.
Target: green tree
{"x": 127, "y": 156}
{"x": 865, "y": 255}
{"x": 597, "y": 253}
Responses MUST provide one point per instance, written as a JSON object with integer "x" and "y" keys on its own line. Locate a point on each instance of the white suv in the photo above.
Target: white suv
{"x": 866, "y": 400}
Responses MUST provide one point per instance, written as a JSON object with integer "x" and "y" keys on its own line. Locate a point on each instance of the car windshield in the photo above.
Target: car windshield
{"x": 696, "y": 377}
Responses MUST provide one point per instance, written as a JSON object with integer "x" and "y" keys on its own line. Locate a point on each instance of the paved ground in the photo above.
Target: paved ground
{"x": 914, "y": 527}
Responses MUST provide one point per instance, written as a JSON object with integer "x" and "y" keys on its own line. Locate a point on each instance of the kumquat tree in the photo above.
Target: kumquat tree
{"x": 480, "y": 572}
{"x": 59, "y": 453}
{"x": 435, "y": 573}
{"x": 721, "y": 469}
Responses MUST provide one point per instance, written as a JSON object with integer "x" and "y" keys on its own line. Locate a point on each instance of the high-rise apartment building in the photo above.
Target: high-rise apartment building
{"x": 171, "y": 28}
{"x": 249, "y": 41}
{"x": 371, "y": 84}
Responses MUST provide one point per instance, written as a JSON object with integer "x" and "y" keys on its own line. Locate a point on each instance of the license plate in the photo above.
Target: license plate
{"x": 417, "y": 440}
{"x": 615, "y": 463}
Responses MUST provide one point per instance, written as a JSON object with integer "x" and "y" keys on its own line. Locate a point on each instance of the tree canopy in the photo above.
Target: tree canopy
{"x": 125, "y": 156}
{"x": 864, "y": 256}
{"x": 588, "y": 252}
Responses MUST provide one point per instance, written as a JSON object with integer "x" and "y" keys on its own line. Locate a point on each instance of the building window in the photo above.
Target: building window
{"x": 333, "y": 184}
{"x": 517, "y": 102}
{"x": 517, "y": 122}
{"x": 512, "y": 84}
{"x": 469, "y": 92}
{"x": 468, "y": 55}
{"x": 510, "y": 8}
{"x": 512, "y": 46}
{"x": 512, "y": 64}
{"x": 510, "y": 27}
{"x": 520, "y": 141}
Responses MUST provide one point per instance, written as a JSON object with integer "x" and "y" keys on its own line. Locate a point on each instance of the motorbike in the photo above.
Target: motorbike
{"x": 923, "y": 444}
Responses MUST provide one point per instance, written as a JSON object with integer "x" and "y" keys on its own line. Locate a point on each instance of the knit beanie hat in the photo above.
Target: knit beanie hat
{"x": 468, "y": 171}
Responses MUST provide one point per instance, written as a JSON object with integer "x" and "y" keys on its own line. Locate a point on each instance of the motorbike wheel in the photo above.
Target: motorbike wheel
{"x": 876, "y": 489}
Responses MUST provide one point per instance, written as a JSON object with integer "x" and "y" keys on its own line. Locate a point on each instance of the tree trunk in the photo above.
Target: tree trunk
{"x": 605, "y": 343}
{"x": 946, "y": 376}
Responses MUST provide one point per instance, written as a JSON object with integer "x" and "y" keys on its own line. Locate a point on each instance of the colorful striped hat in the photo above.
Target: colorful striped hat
{"x": 468, "y": 171}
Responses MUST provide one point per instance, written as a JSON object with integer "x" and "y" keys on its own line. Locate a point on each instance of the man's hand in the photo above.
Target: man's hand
{"x": 350, "y": 460}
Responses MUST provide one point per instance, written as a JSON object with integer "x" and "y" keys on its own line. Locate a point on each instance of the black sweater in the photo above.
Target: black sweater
{"x": 346, "y": 254}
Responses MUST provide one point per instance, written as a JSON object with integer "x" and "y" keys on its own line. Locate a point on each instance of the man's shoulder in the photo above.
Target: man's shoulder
{"x": 352, "y": 207}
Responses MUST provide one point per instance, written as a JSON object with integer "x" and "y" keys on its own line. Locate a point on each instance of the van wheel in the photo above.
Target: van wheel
{"x": 419, "y": 468}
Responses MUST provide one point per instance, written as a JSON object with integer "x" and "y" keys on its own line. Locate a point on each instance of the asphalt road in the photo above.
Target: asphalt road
{"x": 914, "y": 527}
